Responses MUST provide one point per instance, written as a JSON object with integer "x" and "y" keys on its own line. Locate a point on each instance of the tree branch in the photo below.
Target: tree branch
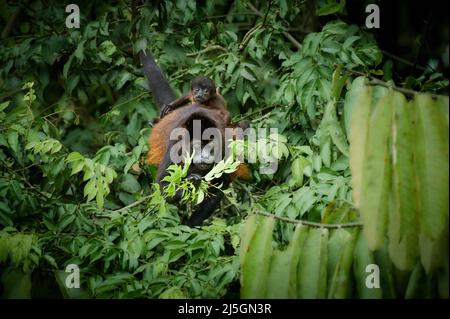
{"x": 311, "y": 224}
{"x": 375, "y": 81}
{"x": 207, "y": 49}
{"x": 286, "y": 34}
{"x": 404, "y": 61}
{"x": 143, "y": 199}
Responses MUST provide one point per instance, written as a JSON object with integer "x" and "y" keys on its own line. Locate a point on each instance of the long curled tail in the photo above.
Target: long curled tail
{"x": 158, "y": 83}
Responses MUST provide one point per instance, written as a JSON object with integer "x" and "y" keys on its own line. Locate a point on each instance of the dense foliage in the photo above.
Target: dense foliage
{"x": 74, "y": 112}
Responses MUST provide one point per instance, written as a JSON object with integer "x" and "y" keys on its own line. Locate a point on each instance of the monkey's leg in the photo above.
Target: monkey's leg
{"x": 193, "y": 176}
{"x": 206, "y": 208}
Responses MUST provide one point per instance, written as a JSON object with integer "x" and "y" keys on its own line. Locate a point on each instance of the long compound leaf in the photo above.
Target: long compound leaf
{"x": 403, "y": 213}
{"x": 257, "y": 260}
{"x": 376, "y": 180}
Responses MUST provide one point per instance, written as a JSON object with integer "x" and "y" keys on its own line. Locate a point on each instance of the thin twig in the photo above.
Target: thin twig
{"x": 221, "y": 16}
{"x": 257, "y": 111}
{"x": 248, "y": 36}
{"x": 208, "y": 49}
{"x": 286, "y": 34}
{"x": 404, "y": 61}
{"x": 375, "y": 81}
{"x": 311, "y": 224}
{"x": 143, "y": 199}
{"x": 125, "y": 102}
{"x": 267, "y": 13}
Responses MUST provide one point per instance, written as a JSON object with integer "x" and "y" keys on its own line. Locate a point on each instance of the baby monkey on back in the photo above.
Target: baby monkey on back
{"x": 203, "y": 91}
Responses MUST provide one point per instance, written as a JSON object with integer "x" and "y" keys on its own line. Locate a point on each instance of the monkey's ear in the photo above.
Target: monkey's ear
{"x": 217, "y": 91}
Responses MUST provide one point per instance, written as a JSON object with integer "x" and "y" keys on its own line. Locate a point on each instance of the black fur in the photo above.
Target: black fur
{"x": 159, "y": 86}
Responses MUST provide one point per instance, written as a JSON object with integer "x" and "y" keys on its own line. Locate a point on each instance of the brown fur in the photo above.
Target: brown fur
{"x": 160, "y": 134}
{"x": 242, "y": 172}
{"x": 214, "y": 112}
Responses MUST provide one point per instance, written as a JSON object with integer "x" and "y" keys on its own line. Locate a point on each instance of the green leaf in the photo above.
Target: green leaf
{"x": 304, "y": 199}
{"x": 100, "y": 196}
{"x": 246, "y": 74}
{"x": 340, "y": 259}
{"x": 298, "y": 165}
{"x": 376, "y": 180}
{"x": 130, "y": 184}
{"x": 413, "y": 288}
{"x": 47, "y": 146}
{"x": 387, "y": 274}
{"x": 66, "y": 221}
{"x": 13, "y": 141}
{"x": 331, "y": 7}
{"x": 79, "y": 51}
{"x": 325, "y": 153}
{"x": 90, "y": 189}
{"x": 334, "y": 129}
{"x": 110, "y": 174}
{"x": 200, "y": 196}
{"x": 4, "y": 105}
{"x": 77, "y": 167}
{"x": 107, "y": 48}
{"x": 283, "y": 8}
{"x": 88, "y": 172}
{"x": 74, "y": 156}
{"x": 56, "y": 147}
{"x": 362, "y": 258}
{"x": 433, "y": 252}
{"x": 296, "y": 247}
{"x": 278, "y": 281}
{"x": 432, "y": 165}
{"x": 67, "y": 66}
{"x": 349, "y": 41}
{"x": 312, "y": 268}
{"x": 51, "y": 261}
{"x": 403, "y": 215}
{"x": 256, "y": 267}
{"x": 307, "y": 94}
{"x": 247, "y": 234}
{"x": 289, "y": 93}
{"x": 357, "y": 104}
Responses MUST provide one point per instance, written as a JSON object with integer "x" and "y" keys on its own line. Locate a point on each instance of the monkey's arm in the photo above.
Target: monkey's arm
{"x": 166, "y": 109}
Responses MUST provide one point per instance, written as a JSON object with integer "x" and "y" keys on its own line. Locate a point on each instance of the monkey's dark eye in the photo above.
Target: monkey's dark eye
{"x": 196, "y": 90}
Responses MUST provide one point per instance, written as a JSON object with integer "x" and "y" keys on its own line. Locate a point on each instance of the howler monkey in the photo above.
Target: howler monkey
{"x": 212, "y": 114}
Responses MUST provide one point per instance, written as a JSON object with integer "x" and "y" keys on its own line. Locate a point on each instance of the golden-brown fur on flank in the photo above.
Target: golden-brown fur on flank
{"x": 160, "y": 134}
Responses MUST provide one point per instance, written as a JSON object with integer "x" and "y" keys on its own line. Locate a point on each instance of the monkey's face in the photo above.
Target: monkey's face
{"x": 202, "y": 94}
{"x": 203, "y": 89}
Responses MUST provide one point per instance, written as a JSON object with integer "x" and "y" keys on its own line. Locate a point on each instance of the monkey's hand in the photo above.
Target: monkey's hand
{"x": 166, "y": 109}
